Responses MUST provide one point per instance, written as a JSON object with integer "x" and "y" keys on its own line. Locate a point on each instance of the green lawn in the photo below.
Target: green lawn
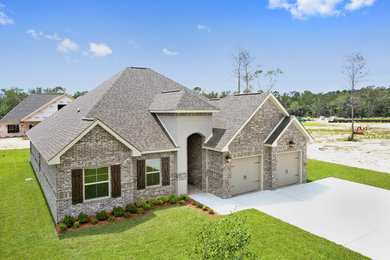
{"x": 27, "y": 229}
{"x": 319, "y": 170}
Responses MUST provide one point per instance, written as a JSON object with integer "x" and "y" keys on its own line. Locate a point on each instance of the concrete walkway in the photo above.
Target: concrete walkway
{"x": 14, "y": 143}
{"x": 354, "y": 215}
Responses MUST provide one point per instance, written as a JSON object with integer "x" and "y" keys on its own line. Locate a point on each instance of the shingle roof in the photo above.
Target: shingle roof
{"x": 27, "y": 106}
{"x": 122, "y": 103}
{"x": 181, "y": 99}
{"x": 234, "y": 112}
{"x": 278, "y": 130}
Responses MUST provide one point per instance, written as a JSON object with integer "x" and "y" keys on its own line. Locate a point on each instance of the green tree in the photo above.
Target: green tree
{"x": 9, "y": 98}
{"x": 79, "y": 93}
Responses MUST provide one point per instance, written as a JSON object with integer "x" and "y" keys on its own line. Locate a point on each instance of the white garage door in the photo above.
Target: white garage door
{"x": 287, "y": 168}
{"x": 246, "y": 174}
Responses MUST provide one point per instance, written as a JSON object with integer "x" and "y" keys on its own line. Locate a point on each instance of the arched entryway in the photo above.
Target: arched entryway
{"x": 194, "y": 160}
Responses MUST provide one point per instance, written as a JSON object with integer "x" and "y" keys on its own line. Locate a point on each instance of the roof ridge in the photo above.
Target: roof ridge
{"x": 105, "y": 93}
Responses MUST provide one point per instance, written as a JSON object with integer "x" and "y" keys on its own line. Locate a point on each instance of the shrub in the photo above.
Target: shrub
{"x": 140, "y": 211}
{"x": 193, "y": 203}
{"x": 76, "y": 225}
{"x": 94, "y": 221}
{"x": 147, "y": 206}
{"x": 153, "y": 201}
{"x": 118, "y": 211}
{"x": 226, "y": 237}
{"x": 211, "y": 211}
{"x": 182, "y": 202}
{"x": 102, "y": 215}
{"x": 205, "y": 208}
{"x": 199, "y": 206}
{"x": 164, "y": 199}
{"x": 68, "y": 221}
{"x": 160, "y": 202}
{"x": 172, "y": 199}
{"x": 184, "y": 197}
{"x": 141, "y": 204}
{"x": 63, "y": 227}
{"x": 82, "y": 218}
{"x": 111, "y": 219}
{"x": 131, "y": 208}
{"x": 127, "y": 215}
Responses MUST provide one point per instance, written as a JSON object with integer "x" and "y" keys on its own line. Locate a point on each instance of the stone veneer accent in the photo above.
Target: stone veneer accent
{"x": 98, "y": 148}
{"x": 217, "y": 175}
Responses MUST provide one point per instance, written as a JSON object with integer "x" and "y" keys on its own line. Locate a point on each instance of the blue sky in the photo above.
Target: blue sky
{"x": 79, "y": 44}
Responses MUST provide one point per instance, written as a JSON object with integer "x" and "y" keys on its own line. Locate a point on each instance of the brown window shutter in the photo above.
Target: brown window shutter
{"x": 115, "y": 181}
{"x": 140, "y": 174}
{"x": 165, "y": 171}
{"x": 77, "y": 186}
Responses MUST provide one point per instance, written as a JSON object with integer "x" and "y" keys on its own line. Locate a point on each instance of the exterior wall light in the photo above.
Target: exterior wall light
{"x": 291, "y": 144}
{"x": 228, "y": 158}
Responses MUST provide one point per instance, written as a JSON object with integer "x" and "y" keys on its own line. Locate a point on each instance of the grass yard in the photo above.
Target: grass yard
{"x": 27, "y": 229}
{"x": 319, "y": 170}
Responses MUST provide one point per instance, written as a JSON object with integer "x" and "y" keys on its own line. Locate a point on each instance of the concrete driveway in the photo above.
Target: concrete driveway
{"x": 354, "y": 215}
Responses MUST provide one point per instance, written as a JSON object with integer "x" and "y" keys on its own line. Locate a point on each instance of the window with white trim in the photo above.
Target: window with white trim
{"x": 153, "y": 172}
{"x": 96, "y": 183}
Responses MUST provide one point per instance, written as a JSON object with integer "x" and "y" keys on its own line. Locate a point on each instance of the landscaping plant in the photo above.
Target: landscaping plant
{"x": 76, "y": 225}
{"x": 63, "y": 227}
{"x": 153, "y": 201}
{"x": 102, "y": 215}
{"x": 131, "y": 208}
{"x": 205, "y": 208}
{"x": 140, "y": 211}
{"x": 94, "y": 221}
{"x": 127, "y": 215}
{"x": 164, "y": 199}
{"x": 141, "y": 204}
{"x": 111, "y": 219}
{"x": 118, "y": 211}
{"x": 184, "y": 197}
{"x": 182, "y": 202}
{"x": 68, "y": 221}
{"x": 82, "y": 218}
{"x": 172, "y": 199}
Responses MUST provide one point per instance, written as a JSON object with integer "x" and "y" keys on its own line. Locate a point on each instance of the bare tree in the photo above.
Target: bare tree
{"x": 242, "y": 59}
{"x": 354, "y": 69}
{"x": 270, "y": 78}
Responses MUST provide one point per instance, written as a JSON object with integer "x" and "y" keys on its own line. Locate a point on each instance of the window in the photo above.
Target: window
{"x": 13, "y": 129}
{"x": 96, "y": 183}
{"x": 60, "y": 106}
{"x": 153, "y": 170}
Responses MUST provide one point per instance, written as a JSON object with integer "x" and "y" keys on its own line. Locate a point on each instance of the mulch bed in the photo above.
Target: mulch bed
{"x": 188, "y": 204}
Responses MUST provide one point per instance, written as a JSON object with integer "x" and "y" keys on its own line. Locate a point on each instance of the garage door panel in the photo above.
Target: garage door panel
{"x": 287, "y": 168}
{"x": 246, "y": 174}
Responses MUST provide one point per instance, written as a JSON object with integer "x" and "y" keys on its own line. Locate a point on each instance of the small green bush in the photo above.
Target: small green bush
{"x": 182, "y": 202}
{"x": 63, "y": 227}
{"x": 68, "y": 221}
{"x": 184, "y": 197}
{"x": 141, "y": 204}
{"x": 193, "y": 203}
{"x": 111, "y": 219}
{"x": 118, "y": 211}
{"x": 199, "y": 206}
{"x": 153, "y": 201}
{"x": 172, "y": 199}
{"x": 164, "y": 199}
{"x": 205, "y": 208}
{"x": 160, "y": 202}
{"x": 76, "y": 225}
{"x": 147, "y": 206}
{"x": 82, "y": 218}
{"x": 94, "y": 221}
{"x": 131, "y": 208}
{"x": 102, "y": 215}
{"x": 211, "y": 211}
{"x": 127, "y": 215}
{"x": 140, "y": 211}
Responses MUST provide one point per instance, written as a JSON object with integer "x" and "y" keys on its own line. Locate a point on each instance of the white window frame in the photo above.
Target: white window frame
{"x": 146, "y": 173}
{"x": 109, "y": 184}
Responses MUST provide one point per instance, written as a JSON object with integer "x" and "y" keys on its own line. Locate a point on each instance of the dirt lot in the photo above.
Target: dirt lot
{"x": 371, "y": 151}
{"x": 14, "y": 143}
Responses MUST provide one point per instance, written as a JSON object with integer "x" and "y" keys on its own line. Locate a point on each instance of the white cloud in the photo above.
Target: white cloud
{"x": 203, "y": 27}
{"x": 53, "y": 37}
{"x": 67, "y": 45}
{"x": 100, "y": 50}
{"x": 301, "y": 9}
{"x": 357, "y": 4}
{"x": 34, "y": 33}
{"x": 4, "y": 18}
{"x": 168, "y": 52}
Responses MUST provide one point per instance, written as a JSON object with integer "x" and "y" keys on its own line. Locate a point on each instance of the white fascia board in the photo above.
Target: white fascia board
{"x": 277, "y": 104}
{"x": 212, "y": 149}
{"x": 161, "y": 151}
{"x": 57, "y": 158}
